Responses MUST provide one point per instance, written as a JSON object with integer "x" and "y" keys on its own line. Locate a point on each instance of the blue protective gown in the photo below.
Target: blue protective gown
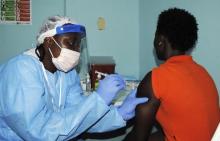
{"x": 34, "y": 109}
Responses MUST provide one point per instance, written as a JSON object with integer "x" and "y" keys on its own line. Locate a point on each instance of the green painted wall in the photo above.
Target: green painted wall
{"x": 17, "y": 38}
{"x": 129, "y": 33}
{"x": 207, "y": 49}
{"x": 120, "y": 39}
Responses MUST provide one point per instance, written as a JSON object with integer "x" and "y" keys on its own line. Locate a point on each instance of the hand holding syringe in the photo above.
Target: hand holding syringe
{"x": 124, "y": 99}
{"x": 130, "y": 85}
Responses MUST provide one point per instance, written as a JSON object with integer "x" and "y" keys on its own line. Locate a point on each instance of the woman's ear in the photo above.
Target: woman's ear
{"x": 160, "y": 43}
{"x": 163, "y": 41}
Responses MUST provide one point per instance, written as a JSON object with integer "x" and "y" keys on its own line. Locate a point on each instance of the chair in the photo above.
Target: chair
{"x": 216, "y": 136}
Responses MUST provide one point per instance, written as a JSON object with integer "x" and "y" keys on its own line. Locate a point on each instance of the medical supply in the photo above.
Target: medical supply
{"x": 131, "y": 84}
{"x": 83, "y": 85}
{"x": 88, "y": 83}
{"x": 67, "y": 59}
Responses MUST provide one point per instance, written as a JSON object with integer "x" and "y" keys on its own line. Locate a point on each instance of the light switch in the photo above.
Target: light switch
{"x": 101, "y": 23}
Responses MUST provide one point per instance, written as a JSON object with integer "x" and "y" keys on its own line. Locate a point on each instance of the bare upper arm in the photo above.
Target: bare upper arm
{"x": 145, "y": 87}
{"x": 146, "y": 112}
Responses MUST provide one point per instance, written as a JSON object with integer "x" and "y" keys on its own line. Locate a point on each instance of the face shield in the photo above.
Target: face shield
{"x": 50, "y": 29}
{"x": 57, "y": 25}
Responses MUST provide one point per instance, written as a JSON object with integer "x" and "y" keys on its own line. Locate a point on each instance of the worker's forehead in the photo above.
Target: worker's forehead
{"x": 71, "y": 35}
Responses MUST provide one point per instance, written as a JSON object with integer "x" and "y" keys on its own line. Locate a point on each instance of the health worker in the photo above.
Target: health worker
{"x": 41, "y": 98}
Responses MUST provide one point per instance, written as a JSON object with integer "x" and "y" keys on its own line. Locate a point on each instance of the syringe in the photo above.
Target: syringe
{"x": 100, "y": 74}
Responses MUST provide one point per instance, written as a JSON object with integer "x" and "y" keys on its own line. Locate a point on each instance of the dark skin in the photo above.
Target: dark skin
{"x": 146, "y": 113}
{"x": 67, "y": 40}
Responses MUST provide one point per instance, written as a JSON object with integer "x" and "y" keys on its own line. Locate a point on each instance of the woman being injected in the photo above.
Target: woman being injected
{"x": 40, "y": 93}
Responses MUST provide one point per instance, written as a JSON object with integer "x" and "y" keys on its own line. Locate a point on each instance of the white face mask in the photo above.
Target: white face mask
{"x": 67, "y": 59}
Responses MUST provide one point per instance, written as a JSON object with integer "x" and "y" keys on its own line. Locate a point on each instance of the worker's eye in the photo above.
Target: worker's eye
{"x": 70, "y": 43}
{"x": 74, "y": 43}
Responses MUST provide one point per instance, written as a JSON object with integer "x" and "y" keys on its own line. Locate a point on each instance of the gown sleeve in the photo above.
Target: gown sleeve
{"x": 102, "y": 124}
{"x": 25, "y": 110}
{"x": 112, "y": 120}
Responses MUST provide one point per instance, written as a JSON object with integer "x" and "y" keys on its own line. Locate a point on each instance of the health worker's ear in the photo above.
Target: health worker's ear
{"x": 48, "y": 42}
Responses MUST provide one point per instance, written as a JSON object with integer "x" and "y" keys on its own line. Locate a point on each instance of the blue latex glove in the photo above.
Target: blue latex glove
{"x": 127, "y": 109}
{"x": 109, "y": 87}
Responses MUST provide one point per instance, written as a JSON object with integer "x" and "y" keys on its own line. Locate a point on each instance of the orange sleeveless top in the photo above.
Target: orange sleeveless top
{"x": 189, "y": 109}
